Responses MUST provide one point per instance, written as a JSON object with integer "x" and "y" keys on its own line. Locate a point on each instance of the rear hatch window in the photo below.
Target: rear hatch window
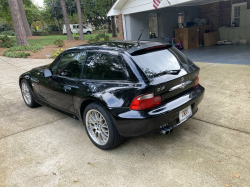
{"x": 158, "y": 63}
{"x": 169, "y": 71}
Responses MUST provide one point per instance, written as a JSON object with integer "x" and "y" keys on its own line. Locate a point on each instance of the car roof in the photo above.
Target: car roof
{"x": 128, "y": 46}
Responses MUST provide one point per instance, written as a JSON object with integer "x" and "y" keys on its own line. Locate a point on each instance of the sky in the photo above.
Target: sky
{"x": 38, "y": 2}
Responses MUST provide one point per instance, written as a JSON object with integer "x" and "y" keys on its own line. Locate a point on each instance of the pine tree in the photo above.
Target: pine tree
{"x": 80, "y": 18}
{"x": 66, "y": 20}
{"x": 18, "y": 23}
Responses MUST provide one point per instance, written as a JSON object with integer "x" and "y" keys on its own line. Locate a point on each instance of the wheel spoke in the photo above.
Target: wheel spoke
{"x": 105, "y": 130}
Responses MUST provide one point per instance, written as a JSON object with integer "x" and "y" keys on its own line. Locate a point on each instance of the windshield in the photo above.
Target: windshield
{"x": 155, "y": 63}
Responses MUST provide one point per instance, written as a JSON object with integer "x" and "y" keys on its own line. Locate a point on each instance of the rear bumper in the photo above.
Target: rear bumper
{"x": 131, "y": 123}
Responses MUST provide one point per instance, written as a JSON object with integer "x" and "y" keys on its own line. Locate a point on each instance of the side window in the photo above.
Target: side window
{"x": 54, "y": 66}
{"x": 74, "y": 26}
{"x": 100, "y": 66}
{"x": 71, "y": 64}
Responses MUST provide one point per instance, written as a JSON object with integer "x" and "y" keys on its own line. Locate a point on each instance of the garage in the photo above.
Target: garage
{"x": 198, "y": 26}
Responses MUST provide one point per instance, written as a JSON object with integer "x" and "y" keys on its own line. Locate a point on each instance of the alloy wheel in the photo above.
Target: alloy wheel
{"x": 97, "y": 127}
{"x": 26, "y": 93}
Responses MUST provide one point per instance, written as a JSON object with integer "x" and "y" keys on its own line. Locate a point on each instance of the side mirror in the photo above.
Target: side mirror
{"x": 47, "y": 73}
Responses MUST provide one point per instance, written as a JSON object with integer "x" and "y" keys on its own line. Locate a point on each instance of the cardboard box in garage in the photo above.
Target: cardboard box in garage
{"x": 189, "y": 37}
{"x": 211, "y": 38}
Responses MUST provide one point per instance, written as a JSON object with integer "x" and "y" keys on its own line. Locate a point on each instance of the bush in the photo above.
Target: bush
{"x": 24, "y": 48}
{"x": 12, "y": 52}
{"x": 8, "y": 33}
{"x": 52, "y": 28}
{"x": 7, "y": 42}
{"x": 99, "y": 38}
{"x": 59, "y": 43}
{"x": 5, "y": 26}
{"x": 16, "y": 54}
{"x": 56, "y": 53}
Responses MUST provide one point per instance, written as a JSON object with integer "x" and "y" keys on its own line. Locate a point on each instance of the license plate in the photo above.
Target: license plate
{"x": 185, "y": 114}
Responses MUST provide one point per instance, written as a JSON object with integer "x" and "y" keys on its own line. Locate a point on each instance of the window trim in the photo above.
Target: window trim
{"x": 232, "y": 12}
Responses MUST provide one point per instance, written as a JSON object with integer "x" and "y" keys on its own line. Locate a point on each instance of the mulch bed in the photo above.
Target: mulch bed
{"x": 43, "y": 53}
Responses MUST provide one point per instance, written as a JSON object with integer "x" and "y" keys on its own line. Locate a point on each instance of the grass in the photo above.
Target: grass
{"x": 49, "y": 40}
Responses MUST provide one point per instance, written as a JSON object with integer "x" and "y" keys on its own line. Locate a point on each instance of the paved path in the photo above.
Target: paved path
{"x": 41, "y": 147}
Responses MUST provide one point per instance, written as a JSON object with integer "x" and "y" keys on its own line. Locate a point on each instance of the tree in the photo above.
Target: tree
{"x": 24, "y": 18}
{"x": 80, "y": 18}
{"x": 95, "y": 11}
{"x": 17, "y": 22}
{"x": 109, "y": 27}
{"x": 55, "y": 11}
{"x": 113, "y": 24}
{"x": 114, "y": 31}
{"x": 66, "y": 20}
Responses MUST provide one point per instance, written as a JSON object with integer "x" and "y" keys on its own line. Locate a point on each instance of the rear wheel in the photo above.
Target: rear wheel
{"x": 28, "y": 95}
{"x": 88, "y": 32}
{"x": 100, "y": 127}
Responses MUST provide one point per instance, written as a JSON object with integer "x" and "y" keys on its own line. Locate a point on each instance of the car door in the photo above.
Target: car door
{"x": 59, "y": 89}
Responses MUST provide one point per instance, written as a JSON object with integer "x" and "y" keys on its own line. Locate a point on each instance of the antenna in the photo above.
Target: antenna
{"x": 139, "y": 39}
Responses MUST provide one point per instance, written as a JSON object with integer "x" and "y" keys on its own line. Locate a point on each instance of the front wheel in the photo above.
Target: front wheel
{"x": 28, "y": 95}
{"x": 88, "y": 32}
{"x": 100, "y": 127}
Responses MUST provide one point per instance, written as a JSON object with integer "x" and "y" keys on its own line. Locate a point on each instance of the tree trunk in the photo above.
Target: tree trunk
{"x": 66, "y": 20}
{"x": 80, "y": 18}
{"x": 58, "y": 24}
{"x": 114, "y": 30}
{"x": 109, "y": 22}
{"x": 18, "y": 24}
{"x": 24, "y": 18}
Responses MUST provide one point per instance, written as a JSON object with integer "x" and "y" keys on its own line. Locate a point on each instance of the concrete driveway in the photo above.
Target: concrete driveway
{"x": 41, "y": 147}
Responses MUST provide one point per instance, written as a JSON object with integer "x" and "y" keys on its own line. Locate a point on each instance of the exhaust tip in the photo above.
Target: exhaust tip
{"x": 166, "y": 130}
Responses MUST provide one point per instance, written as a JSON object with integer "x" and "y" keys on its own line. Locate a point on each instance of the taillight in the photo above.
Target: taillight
{"x": 196, "y": 83}
{"x": 146, "y": 101}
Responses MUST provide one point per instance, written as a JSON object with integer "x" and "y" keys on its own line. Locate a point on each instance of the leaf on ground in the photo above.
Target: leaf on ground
{"x": 219, "y": 161}
{"x": 143, "y": 154}
{"x": 76, "y": 180}
{"x": 91, "y": 164}
{"x": 226, "y": 185}
{"x": 235, "y": 175}
{"x": 54, "y": 173}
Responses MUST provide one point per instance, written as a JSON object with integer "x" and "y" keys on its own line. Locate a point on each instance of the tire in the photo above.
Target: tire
{"x": 106, "y": 131}
{"x": 88, "y": 32}
{"x": 27, "y": 94}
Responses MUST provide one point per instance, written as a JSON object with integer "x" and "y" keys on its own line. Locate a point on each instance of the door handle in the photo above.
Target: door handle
{"x": 35, "y": 80}
{"x": 68, "y": 87}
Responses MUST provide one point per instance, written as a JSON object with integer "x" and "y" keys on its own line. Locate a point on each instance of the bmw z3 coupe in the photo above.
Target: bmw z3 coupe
{"x": 118, "y": 89}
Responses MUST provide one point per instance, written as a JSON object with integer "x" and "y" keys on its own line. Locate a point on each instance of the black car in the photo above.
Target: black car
{"x": 118, "y": 89}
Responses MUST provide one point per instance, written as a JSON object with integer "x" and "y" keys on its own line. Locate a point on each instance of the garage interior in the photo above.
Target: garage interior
{"x": 198, "y": 26}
